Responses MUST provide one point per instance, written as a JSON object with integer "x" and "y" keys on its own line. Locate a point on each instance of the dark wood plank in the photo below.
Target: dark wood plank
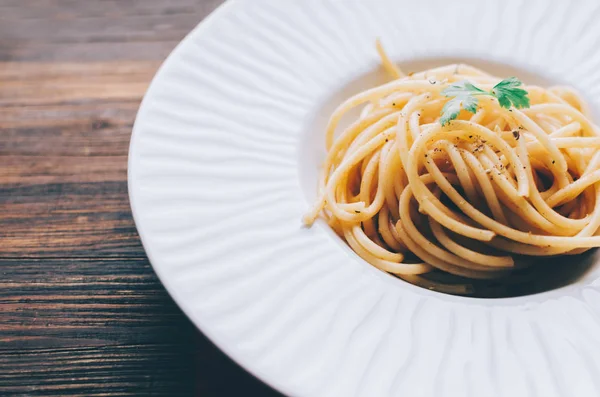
{"x": 71, "y": 9}
{"x": 103, "y": 327}
{"x": 68, "y": 219}
{"x": 96, "y": 30}
{"x": 64, "y": 162}
{"x": 82, "y": 311}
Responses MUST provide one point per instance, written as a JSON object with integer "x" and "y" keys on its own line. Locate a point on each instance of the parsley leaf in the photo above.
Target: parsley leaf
{"x": 453, "y": 107}
{"x": 464, "y": 95}
{"x": 462, "y": 88}
{"x": 508, "y": 93}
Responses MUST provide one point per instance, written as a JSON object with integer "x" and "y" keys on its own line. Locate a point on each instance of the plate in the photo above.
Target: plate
{"x": 223, "y": 163}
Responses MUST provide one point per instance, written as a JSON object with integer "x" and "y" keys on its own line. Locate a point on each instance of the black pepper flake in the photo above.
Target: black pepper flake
{"x": 394, "y": 104}
{"x": 470, "y": 136}
{"x": 425, "y": 154}
{"x": 516, "y": 134}
{"x": 387, "y": 140}
{"x": 553, "y": 161}
{"x": 358, "y": 212}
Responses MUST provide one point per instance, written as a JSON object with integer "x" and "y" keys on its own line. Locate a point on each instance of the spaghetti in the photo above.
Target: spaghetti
{"x": 476, "y": 198}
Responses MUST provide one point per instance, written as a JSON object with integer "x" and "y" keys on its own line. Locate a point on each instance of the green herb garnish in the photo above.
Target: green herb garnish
{"x": 465, "y": 95}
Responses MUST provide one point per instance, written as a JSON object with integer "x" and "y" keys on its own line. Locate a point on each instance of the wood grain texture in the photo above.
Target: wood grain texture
{"x": 82, "y": 312}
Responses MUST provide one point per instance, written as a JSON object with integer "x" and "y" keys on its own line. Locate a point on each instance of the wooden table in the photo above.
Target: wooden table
{"x": 81, "y": 311}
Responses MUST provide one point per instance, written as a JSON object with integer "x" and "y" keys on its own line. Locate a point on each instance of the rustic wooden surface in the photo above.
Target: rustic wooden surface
{"x": 81, "y": 311}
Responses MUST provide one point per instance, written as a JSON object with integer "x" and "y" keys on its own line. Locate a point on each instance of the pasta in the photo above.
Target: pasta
{"x": 475, "y": 199}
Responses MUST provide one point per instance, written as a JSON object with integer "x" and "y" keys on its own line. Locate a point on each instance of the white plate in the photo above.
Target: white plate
{"x": 223, "y": 164}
